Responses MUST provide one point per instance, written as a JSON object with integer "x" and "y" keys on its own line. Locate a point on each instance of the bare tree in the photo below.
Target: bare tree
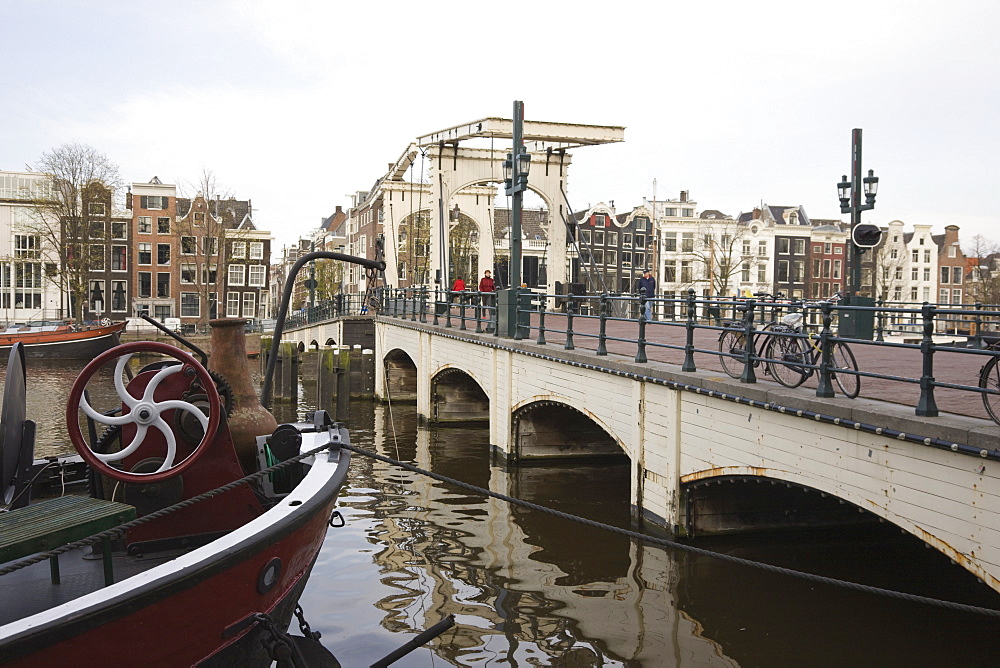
{"x": 718, "y": 250}
{"x": 984, "y": 279}
{"x": 72, "y": 219}
{"x": 206, "y": 234}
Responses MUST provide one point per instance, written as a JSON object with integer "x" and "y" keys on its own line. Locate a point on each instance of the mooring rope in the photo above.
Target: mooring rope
{"x": 680, "y": 547}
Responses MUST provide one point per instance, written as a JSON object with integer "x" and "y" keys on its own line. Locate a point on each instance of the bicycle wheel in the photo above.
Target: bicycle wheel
{"x": 786, "y": 360}
{"x": 989, "y": 379}
{"x": 732, "y": 343}
{"x": 842, "y": 358}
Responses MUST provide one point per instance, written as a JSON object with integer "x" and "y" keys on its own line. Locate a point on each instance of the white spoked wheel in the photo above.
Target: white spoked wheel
{"x": 145, "y": 412}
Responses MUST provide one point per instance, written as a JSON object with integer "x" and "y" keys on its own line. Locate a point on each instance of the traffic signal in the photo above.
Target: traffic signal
{"x": 866, "y": 236}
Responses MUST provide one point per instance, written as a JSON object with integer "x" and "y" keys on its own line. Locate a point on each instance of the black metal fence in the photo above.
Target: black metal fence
{"x": 896, "y": 326}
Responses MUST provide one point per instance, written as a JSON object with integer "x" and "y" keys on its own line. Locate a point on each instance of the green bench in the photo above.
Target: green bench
{"x": 53, "y": 523}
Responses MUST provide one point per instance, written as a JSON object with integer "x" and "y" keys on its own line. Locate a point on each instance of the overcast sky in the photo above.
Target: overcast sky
{"x": 294, "y": 105}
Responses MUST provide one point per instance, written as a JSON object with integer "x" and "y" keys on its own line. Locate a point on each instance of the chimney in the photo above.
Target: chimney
{"x": 684, "y": 195}
{"x": 756, "y": 214}
{"x": 339, "y": 211}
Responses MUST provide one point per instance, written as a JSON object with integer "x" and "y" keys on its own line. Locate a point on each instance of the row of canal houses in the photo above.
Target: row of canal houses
{"x": 150, "y": 252}
{"x": 768, "y": 249}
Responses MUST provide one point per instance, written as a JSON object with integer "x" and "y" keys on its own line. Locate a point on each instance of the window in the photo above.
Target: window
{"x": 670, "y": 272}
{"x": 687, "y": 242}
{"x": 839, "y": 250}
{"x": 927, "y": 294}
{"x": 585, "y": 236}
{"x": 815, "y": 290}
{"x": 162, "y": 284}
{"x": 762, "y": 273}
{"x": 641, "y": 223}
{"x": 119, "y": 230}
{"x": 793, "y": 218}
{"x": 598, "y": 238}
{"x": 145, "y": 224}
{"x": 894, "y": 254}
{"x": 915, "y": 274}
{"x": 236, "y": 274}
{"x": 639, "y": 240}
{"x": 670, "y": 211}
{"x": 943, "y": 299}
{"x": 746, "y": 247}
{"x": 956, "y": 296}
{"x": 945, "y": 274}
{"x": 627, "y": 240}
{"x": 209, "y": 274}
{"x": 913, "y": 294}
{"x": 257, "y": 250}
{"x": 258, "y": 275}
{"x": 816, "y": 266}
{"x": 199, "y": 218}
{"x": 956, "y": 275}
{"x": 899, "y": 273}
{"x": 189, "y": 272}
{"x": 782, "y": 245}
{"x": 119, "y": 296}
{"x": 798, "y": 271}
{"x": 119, "y": 258}
{"x": 610, "y": 258}
{"x": 163, "y": 225}
{"x": 916, "y": 256}
{"x": 626, "y": 258}
{"x": 783, "y": 271}
{"x": 96, "y": 257}
{"x": 826, "y": 269}
{"x": 800, "y": 246}
{"x": 639, "y": 259}
{"x": 687, "y": 212}
{"x": 897, "y": 294}
{"x": 189, "y": 245}
{"x": 927, "y": 256}
{"x": 746, "y": 272}
{"x": 27, "y": 247}
{"x": 612, "y": 241}
{"x": 670, "y": 241}
{"x": 927, "y": 273}
{"x": 827, "y": 248}
{"x": 249, "y": 304}
{"x": 921, "y": 241}
{"x": 232, "y": 304}
{"x": 211, "y": 245}
{"x": 240, "y": 250}
{"x": 145, "y": 254}
{"x": 762, "y": 249}
{"x": 598, "y": 256}
{"x": 161, "y": 311}
{"x": 145, "y": 284}
{"x": 836, "y": 268}
{"x": 95, "y": 209}
{"x": 162, "y": 253}
{"x": 97, "y": 296}
{"x": 190, "y": 305}
{"x": 952, "y": 251}
{"x": 685, "y": 272}
{"x": 153, "y": 202}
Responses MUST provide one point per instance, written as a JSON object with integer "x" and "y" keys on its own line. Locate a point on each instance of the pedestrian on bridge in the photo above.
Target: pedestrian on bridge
{"x": 457, "y": 288}
{"x": 486, "y": 285}
{"x": 647, "y": 288}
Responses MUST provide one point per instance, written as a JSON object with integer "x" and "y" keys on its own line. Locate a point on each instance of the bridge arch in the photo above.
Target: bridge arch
{"x": 400, "y": 375}
{"x": 547, "y": 428}
{"x": 456, "y": 396}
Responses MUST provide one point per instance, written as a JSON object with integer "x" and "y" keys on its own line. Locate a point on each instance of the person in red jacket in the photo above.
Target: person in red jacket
{"x": 457, "y": 288}
{"x": 486, "y": 285}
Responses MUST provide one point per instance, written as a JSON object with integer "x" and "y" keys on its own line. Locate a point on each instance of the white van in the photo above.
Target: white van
{"x": 173, "y": 324}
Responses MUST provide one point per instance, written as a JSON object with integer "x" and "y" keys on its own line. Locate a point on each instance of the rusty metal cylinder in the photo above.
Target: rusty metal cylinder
{"x": 249, "y": 419}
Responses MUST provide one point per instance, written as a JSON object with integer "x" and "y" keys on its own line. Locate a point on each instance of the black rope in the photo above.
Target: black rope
{"x": 680, "y": 547}
{"x": 119, "y": 530}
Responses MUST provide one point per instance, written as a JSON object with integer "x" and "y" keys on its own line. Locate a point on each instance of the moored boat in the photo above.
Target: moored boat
{"x": 63, "y": 340}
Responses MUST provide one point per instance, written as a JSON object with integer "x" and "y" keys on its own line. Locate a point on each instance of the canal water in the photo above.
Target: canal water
{"x": 530, "y": 589}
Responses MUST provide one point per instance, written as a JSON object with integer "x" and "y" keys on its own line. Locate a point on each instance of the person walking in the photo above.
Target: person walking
{"x": 647, "y": 287}
{"x": 486, "y": 285}
{"x": 457, "y": 288}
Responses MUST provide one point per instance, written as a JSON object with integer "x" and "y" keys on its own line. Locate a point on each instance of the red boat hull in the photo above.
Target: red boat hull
{"x": 202, "y": 613}
{"x": 64, "y": 344}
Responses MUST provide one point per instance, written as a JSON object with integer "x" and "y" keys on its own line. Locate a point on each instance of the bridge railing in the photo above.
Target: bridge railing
{"x": 687, "y": 330}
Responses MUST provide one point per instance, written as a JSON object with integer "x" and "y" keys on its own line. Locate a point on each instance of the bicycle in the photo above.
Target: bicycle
{"x": 989, "y": 379}
{"x": 732, "y": 340}
{"x": 792, "y": 359}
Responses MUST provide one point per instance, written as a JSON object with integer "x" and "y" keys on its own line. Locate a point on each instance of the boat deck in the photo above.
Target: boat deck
{"x": 30, "y": 590}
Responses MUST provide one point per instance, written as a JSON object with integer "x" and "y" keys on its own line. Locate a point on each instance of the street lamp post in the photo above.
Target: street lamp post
{"x": 515, "y": 169}
{"x": 850, "y": 202}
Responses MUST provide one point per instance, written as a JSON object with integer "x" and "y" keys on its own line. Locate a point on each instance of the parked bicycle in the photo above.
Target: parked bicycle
{"x": 732, "y": 340}
{"x": 989, "y": 379}
{"x": 795, "y": 357}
